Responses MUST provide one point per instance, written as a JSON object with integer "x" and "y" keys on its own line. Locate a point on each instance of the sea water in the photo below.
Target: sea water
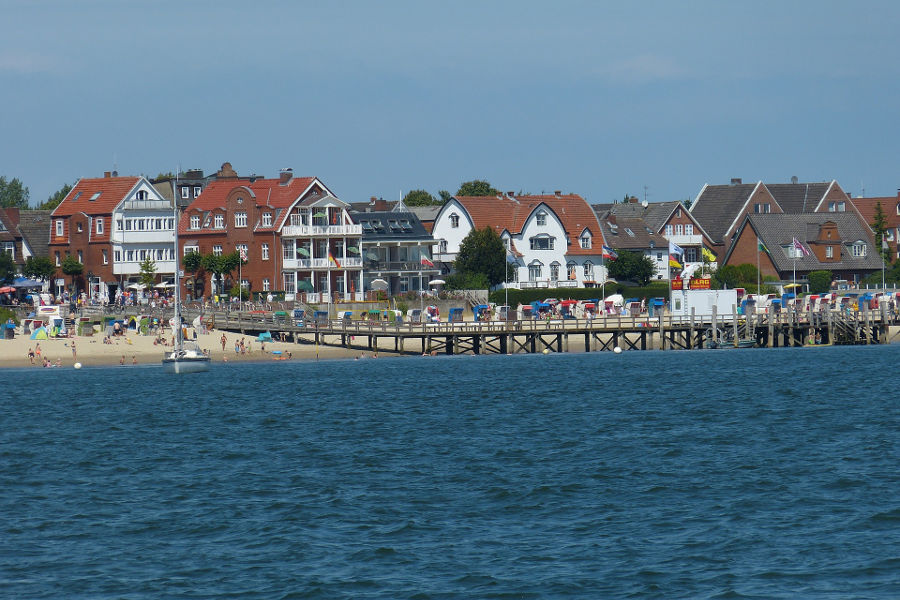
{"x": 705, "y": 474}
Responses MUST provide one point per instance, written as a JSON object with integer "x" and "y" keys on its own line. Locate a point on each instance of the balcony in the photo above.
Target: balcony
{"x": 320, "y": 264}
{"x": 398, "y": 267}
{"x": 163, "y": 267}
{"x": 295, "y": 231}
{"x": 143, "y": 237}
{"x": 686, "y": 240}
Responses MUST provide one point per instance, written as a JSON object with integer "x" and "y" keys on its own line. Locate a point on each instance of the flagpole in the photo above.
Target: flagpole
{"x": 758, "y": 250}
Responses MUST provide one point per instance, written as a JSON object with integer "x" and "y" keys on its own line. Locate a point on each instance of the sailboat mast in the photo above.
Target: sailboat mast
{"x": 178, "y": 339}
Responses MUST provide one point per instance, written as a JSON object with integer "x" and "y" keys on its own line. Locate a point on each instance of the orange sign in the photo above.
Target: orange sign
{"x": 677, "y": 284}
{"x": 701, "y": 284}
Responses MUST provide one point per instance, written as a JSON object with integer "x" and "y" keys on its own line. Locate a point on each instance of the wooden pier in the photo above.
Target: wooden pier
{"x": 603, "y": 333}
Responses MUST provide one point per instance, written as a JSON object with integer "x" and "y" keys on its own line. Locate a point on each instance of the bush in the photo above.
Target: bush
{"x": 820, "y": 282}
{"x": 7, "y": 314}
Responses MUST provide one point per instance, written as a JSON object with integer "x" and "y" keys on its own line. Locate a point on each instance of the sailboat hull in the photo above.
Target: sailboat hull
{"x": 183, "y": 364}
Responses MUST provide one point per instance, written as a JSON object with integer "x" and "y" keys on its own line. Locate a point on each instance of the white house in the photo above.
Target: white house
{"x": 553, "y": 239}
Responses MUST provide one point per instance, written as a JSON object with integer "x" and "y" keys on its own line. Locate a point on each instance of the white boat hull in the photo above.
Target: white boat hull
{"x": 197, "y": 364}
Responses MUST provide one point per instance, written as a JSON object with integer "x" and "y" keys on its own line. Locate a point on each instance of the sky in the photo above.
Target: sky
{"x": 601, "y": 99}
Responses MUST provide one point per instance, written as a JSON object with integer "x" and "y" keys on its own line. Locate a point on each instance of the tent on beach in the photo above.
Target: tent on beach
{"x": 39, "y": 334}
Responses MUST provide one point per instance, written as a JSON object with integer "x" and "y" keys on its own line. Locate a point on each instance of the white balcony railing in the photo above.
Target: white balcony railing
{"x": 163, "y": 267}
{"x": 290, "y": 231}
{"x": 320, "y": 263}
{"x": 686, "y": 240}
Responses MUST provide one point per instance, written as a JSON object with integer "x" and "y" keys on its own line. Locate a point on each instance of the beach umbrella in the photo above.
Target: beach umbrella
{"x": 304, "y": 286}
{"x": 437, "y": 282}
{"x": 378, "y": 284}
{"x": 6, "y": 289}
{"x": 27, "y": 283}
{"x": 302, "y": 251}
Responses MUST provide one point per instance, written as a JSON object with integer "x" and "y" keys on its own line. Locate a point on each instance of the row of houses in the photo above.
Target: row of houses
{"x": 297, "y": 236}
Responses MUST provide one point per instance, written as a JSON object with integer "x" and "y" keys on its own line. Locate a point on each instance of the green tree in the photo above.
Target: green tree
{"x": 13, "y": 194}
{"x": 39, "y": 267}
{"x": 467, "y": 281}
{"x": 193, "y": 264}
{"x": 71, "y": 267}
{"x": 419, "y": 198}
{"x": 220, "y": 266}
{"x": 445, "y": 195}
{"x": 55, "y": 198}
{"x": 7, "y": 267}
{"x": 478, "y": 187}
{"x": 820, "y": 282}
{"x": 879, "y": 226}
{"x": 631, "y": 266}
{"x": 148, "y": 272}
{"x": 482, "y": 251}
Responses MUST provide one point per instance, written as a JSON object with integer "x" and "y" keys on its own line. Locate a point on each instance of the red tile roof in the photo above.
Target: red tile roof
{"x": 112, "y": 191}
{"x": 510, "y": 213}
{"x": 866, "y": 208}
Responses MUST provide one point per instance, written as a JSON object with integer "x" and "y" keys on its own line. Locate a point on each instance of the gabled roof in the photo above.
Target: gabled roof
{"x": 616, "y": 228}
{"x": 777, "y": 231}
{"x": 796, "y": 198}
{"x": 866, "y": 208}
{"x": 107, "y": 193}
{"x": 511, "y": 212}
{"x": 716, "y": 207}
{"x": 34, "y": 225}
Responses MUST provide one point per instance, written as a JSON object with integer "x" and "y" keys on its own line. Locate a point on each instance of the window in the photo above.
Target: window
{"x": 858, "y": 249}
{"x": 265, "y": 285}
{"x": 119, "y": 225}
{"x": 690, "y": 255}
{"x": 689, "y": 229}
{"x": 267, "y": 219}
{"x": 668, "y": 230}
{"x": 185, "y": 191}
{"x": 837, "y": 207}
{"x": 454, "y": 220}
{"x": 95, "y": 196}
{"x": 105, "y": 254}
{"x": 554, "y": 271}
{"x": 240, "y": 219}
{"x": 219, "y": 221}
{"x": 572, "y": 271}
{"x": 99, "y": 225}
{"x": 81, "y": 256}
{"x": 288, "y": 249}
{"x": 142, "y": 195}
{"x": 586, "y": 241}
{"x": 10, "y": 248}
{"x": 588, "y": 270}
{"x": 195, "y": 221}
{"x": 762, "y": 208}
{"x": 189, "y": 249}
{"x": 245, "y": 283}
{"x": 129, "y": 255}
{"x": 265, "y": 252}
{"x": 442, "y": 247}
{"x": 79, "y": 227}
{"x": 217, "y": 250}
{"x": 542, "y": 242}
{"x": 289, "y": 284}
{"x": 117, "y": 255}
{"x": 542, "y": 219}
{"x": 829, "y": 251}
{"x": 56, "y": 257}
{"x": 629, "y": 232}
{"x": 679, "y": 229}
{"x": 197, "y": 190}
{"x": 534, "y": 271}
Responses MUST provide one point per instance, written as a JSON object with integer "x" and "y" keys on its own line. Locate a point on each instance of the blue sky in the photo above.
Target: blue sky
{"x": 375, "y": 98}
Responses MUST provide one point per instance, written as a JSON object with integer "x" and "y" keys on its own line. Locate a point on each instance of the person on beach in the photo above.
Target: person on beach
{"x": 122, "y": 360}
{"x": 37, "y": 351}
{"x": 73, "y": 348}
{"x": 30, "y": 355}
{"x": 224, "y": 341}
{"x": 133, "y": 359}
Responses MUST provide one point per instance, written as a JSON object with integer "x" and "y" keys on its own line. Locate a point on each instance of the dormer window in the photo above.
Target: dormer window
{"x": 762, "y": 208}
{"x": 829, "y": 251}
{"x": 99, "y": 225}
{"x": 95, "y": 196}
{"x": 197, "y": 190}
{"x": 267, "y": 219}
{"x": 542, "y": 242}
{"x": 195, "y": 221}
{"x": 141, "y": 195}
{"x": 454, "y": 220}
{"x": 219, "y": 221}
{"x": 185, "y": 192}
{"x": 542, "y": 219}
{"x": 669, "y": 230}
{"x": 858, "y": 249}
{"x": 586, "y": 241}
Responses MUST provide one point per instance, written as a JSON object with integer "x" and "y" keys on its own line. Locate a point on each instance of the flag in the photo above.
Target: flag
{"x": 673, "y": 262}
{"x": 675, "y": 249}
{"x": 243, "y": 253}
{"x": 800, "y": 247}
{"x": 609, "y": 253}
{"x": 332, "y": 260}
{"x": 884, "y": 244}
{"x": 424, "y": 260}
{"x": 708, "y": 255}
{"x": 760, "y": 247}
{"x": 675, "y": 254}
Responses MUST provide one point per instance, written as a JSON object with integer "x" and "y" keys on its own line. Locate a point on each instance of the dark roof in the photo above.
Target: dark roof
{"x": 34, "y": 225}
{"x": 388, "y": 226}
{"x": 717, "y": 206}
{"x": 798, "y": 197}
{"x": 627, "y": 232}
{"x": 777, "y": 232}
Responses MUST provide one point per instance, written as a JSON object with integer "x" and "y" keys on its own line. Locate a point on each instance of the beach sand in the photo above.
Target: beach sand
{"x": 133, "y": 349}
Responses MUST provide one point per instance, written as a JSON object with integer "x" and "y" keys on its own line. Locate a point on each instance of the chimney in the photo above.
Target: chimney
{"x": 286, "y": 175}
{"x": 380, "y": 204}
{"x": 107, "y": 174}
{"x": 632, "y": 200}
{"x": 735, "y": 181}
{"x": 558, "y": 193}
{"x": 511, "y": 194}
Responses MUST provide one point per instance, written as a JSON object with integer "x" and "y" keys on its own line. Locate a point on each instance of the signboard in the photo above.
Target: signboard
{"x": 60, "y": 282}
{"x": 701, "y": 283}
{"x": 677, "y": 284}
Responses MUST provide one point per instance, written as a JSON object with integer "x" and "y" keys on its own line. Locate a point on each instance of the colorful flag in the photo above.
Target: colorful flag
{"x": 673, "y": 262}
{"x": 424, "y": 260}
{"x": 609, "y": 253}
{"x": 800, "y": 247}
{"x": 332, "y": 260}
{"x": 243, "y": 253}
{"x": 760, "y": 247}
{"x": 708, "y": 255}
{"x": 675, "y": 249}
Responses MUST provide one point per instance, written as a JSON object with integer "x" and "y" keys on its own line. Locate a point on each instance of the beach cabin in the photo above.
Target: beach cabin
{"x": 481, "y": 312}
{"x": 526, "y": 312}
{"x": 503, "y": 313}
{"x": 541, "y": 310}
{"x": 567, "y": 309}
{"x": 656, "y": 306}
{"x": 432, "y": 314}
{"x": 414, "y": 315}
{"x": 455, "y": 315}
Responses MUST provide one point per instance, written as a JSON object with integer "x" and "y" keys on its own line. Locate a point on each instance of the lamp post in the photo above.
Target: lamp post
{"x": 90, "y": 287}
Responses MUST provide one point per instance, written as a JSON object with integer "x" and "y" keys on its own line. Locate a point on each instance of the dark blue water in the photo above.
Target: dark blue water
{"x": 713, "y": 474}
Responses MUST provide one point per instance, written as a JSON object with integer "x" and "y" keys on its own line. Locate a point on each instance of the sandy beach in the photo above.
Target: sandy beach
{"x": 131, "y": 349}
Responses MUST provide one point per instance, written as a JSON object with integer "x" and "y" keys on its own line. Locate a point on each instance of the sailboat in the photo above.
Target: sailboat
{"x": 186, "y": 357}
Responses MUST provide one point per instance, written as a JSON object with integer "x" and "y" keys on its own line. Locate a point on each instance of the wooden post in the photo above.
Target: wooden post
{"x": 691, "y": 331}
{"x": 734, "y": 319}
